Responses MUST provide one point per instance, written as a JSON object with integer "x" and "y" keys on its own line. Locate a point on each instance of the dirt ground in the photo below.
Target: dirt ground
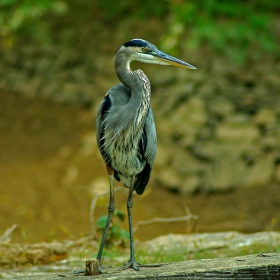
{"x": 44, "y": 173}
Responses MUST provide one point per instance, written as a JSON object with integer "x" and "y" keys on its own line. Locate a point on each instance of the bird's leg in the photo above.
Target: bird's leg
{"x": 111, "y": 210}
{"x": 132, "y": 262}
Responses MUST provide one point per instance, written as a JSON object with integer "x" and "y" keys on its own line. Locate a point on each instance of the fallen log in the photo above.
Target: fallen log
{"x": 12, "y": 255}
{"x": 250, "y": 267}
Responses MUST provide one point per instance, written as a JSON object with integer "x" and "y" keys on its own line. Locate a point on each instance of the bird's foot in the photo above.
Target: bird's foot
{"x": 78, "y": 272}
{"x": 99, "y": 267}
{"x": 131, "y": 263}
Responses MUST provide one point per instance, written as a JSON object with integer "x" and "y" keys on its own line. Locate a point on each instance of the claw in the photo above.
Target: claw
{"x": 131, "y": 263}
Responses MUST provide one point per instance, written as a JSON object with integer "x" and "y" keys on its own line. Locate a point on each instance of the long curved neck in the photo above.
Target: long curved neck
{"x": 139, "y": 85}
{"x": 125, "y": 74}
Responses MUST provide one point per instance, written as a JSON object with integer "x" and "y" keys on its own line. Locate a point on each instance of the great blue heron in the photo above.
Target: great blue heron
{"x": 125, "y": 127}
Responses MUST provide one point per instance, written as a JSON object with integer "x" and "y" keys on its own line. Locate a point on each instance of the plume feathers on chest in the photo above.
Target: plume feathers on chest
{"x": 127, "y": 113}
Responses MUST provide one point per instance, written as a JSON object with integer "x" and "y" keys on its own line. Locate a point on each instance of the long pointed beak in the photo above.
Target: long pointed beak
{"x": 170, "y": 60}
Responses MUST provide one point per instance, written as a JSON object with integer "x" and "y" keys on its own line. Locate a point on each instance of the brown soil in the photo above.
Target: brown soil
{"x": 40, "y": 153}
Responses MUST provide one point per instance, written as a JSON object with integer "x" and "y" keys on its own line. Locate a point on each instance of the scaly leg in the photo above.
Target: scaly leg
{"x": 111, "y": 210}
{"x": 132, "y": 262}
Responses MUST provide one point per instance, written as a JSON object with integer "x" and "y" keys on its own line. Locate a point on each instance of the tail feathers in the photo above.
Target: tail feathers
{"x": 143, "y": 179}
{"x": 116, "y": 175}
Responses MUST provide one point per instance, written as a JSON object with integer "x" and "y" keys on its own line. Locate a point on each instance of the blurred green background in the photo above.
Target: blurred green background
{"x": 217, "y": 126}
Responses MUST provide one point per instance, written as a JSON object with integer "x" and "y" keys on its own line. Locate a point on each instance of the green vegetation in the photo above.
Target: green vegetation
{"x": 161, "y": 256}
{"x": 116, "y": 233}
{"x": 239, "y": 30}
{"x": 27, "y": 18}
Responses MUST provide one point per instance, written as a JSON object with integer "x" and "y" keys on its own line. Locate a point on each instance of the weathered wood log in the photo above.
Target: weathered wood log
{"x": 92, "y": 267}
{"x": 251, "y": 267}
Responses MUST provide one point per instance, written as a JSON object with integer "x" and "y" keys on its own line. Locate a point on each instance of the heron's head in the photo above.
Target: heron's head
{"x": 144, "y": 51}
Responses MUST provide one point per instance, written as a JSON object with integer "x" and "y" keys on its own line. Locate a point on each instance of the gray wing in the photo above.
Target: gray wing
{"x": 117, "y": 95}
{"x": 151, "y": 146}
{"x": 148, "y": 149}
{"x": 101, "y": 115}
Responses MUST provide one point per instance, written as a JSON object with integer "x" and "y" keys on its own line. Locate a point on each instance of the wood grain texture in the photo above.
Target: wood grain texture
{"x": 251, "y": 267}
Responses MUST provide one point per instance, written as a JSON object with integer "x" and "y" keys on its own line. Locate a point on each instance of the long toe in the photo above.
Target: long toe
{"x": 78, "y": 272}
{"x": 131, "y": 263}
{"x": 100, "y": 268}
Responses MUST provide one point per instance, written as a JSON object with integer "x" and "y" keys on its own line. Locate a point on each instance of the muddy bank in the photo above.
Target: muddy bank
{"x": 49, "y": 174}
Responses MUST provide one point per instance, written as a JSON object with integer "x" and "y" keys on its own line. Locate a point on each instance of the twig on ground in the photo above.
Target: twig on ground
{"x": 188, "y": 221}
{"x": 165, "y": 220}
{"x": 188, "y": 217}
{"x": 92, "y": 208}
{"x": 7, "y": 235}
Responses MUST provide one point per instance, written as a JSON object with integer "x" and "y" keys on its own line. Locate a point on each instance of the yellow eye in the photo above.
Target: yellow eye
{"x": 144, "y": 49}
